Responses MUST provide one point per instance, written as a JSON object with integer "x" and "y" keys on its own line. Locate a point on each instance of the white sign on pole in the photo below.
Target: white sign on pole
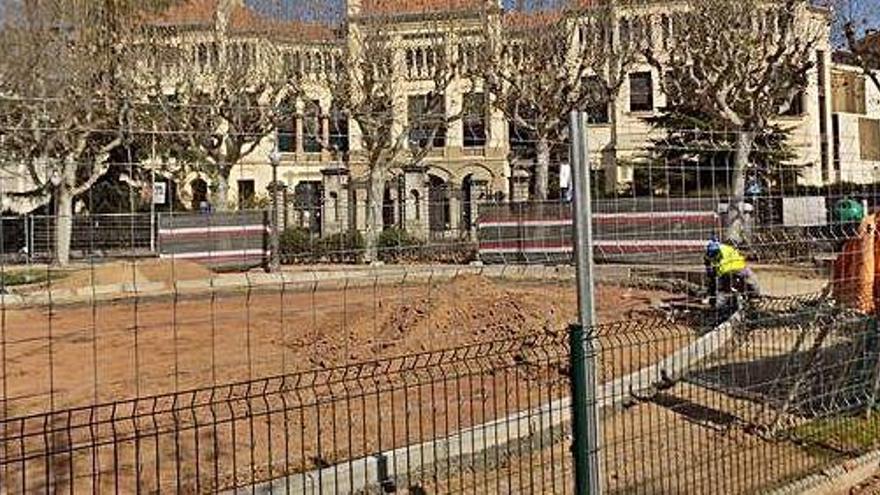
{"x": 159, "y": 193}
{"x": 564, "y": 176}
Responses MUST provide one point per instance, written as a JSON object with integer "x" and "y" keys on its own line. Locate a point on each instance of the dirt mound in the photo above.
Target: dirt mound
{"x": 128, "y": 272}
{"x": 470, "y": 309}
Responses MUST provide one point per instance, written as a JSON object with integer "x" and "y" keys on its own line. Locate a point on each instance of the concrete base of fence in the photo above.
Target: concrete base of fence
{"x": 508, "y": 434}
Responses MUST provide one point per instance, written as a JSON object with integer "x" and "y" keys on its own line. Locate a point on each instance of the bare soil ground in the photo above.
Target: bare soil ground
{"x": 67, "y": 356}
{"x": 125, "y": 272}
{"x": 870, "y": 486}
{"x": 678, "y": 444}
{"x": 72, "y": 356}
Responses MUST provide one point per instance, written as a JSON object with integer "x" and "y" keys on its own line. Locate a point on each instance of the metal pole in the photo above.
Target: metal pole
{"x": 275, "y": 261}
{"x": 585, "y": 414}
{"x": 153, "y": 211}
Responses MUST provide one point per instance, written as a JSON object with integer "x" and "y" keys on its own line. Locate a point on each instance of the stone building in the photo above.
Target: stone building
{"x": 322, "y": 165}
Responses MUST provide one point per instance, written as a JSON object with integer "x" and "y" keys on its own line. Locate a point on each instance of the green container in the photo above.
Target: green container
{"x": 849, "y": 210}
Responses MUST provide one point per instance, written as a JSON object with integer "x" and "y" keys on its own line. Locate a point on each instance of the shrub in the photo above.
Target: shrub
{"x": 27, "y": 277}
{"x": 396, "y": 245}
{"x": 345, "y": 247}
{"x": 298, "y": 246}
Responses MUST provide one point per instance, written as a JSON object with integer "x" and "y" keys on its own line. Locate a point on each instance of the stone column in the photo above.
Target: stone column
{"x": 334, "y": 209}
{"x": 358, "y": 205}
{"x": 325, "y": 137}
{"x": 415, "y": 200}
{"x": 279, "y": 189}
{"x": 454, "y": 207}
{"x": 478, "y": 192}
{"x": 394, "y": 195}
{"x": 519, "y": 185}
{"x": 299, "y": 134}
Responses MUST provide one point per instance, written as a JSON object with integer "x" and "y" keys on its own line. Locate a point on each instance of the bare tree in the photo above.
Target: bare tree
{"x": 742, "y": 63}
{"x": 66, "y": 93}
{"x": 209, "y": 115}
{"x": 370, "y": 89}
{"x": 543, "y": 64}
{"x": 858, "y": 24}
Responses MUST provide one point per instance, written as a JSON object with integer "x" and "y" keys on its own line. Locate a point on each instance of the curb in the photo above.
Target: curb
{"x": 290, "y": 281}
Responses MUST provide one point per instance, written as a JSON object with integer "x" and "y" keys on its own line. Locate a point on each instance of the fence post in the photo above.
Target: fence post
{"x": 585, "y": 414}
{"x": 30, "y": 240}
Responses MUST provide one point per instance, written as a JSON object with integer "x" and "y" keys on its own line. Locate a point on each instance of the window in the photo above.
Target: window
{"x": 203, "y": 61}
{"x": 521, "y": 137}
{"x": 338, "y": 130}
{"x": 869, "y": 139}
{"x": 625, "y": 32}
{"x": 427, "y": 121}
{"x": 247, "y": 54}
{"x": 312, "y": 131}
{"x": 848, "y": 92}
{"x": 287, "y": 136}
{"x": 214, "y": 53}
{"x": 474, "y": 120}
{"x": 641, "y": 92}
{"x": 411, "y": 62}
{"x": 287, "y": 129}
{"x": 246, "y": 193}
{"x": 597, "y": 102}
{"x": 642, "y": 30}
{"x": 666, "y": 30}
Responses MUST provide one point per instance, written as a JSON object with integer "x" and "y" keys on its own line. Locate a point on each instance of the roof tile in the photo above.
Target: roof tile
{"x": 418, "y": 6}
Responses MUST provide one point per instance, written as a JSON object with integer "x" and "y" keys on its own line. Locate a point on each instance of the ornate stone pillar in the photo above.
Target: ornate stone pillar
{"x": 334, "y": 202}
{"x": 415, "y": 200}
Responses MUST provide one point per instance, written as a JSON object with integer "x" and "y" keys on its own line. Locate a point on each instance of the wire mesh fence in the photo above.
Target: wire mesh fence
{"x": 257, "y": 247}
{"x": 775, "y": 393}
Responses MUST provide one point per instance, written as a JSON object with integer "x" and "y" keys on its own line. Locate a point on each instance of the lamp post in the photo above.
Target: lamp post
{"x": 275, "y": 260}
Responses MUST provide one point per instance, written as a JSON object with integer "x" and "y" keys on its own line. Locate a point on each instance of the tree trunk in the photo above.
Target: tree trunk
{"x": 542, "y": 169}
{"x": 375, "y": 195}
{"x": 609, "y": 153}
{"x": 736, "y": 218}
{"x": 220, "y": 199}
{"x": 63, "y": 224}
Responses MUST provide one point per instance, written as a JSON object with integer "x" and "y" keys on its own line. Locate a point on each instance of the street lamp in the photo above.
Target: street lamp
{"x": 275, "y": 260}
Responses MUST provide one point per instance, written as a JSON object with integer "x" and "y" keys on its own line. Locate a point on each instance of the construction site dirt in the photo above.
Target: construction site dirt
{"x": 68, "y": 356}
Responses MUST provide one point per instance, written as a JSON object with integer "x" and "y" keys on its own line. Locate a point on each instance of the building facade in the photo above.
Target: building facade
{"x": 322, "y": 161}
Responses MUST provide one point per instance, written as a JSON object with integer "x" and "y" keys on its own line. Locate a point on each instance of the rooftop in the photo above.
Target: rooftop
{"x": 241, "y": 19}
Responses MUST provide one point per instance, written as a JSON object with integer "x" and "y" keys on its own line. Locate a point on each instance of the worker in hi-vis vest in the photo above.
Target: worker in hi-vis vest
{"x": 727, "y": 271}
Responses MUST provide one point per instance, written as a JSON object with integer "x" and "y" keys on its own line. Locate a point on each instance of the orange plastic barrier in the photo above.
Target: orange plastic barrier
{"x": 856, "y": 271}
